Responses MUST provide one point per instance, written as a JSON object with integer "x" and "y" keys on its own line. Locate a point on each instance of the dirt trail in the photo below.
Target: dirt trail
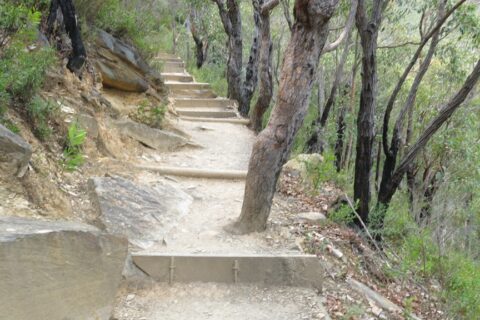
{"x": 224, "y": 146}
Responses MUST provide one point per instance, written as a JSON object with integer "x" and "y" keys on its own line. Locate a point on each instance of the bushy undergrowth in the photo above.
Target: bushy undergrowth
{"x": 423, "y": 256}
{"x": 23, "y": 64}
{"x": 213, "y": 74}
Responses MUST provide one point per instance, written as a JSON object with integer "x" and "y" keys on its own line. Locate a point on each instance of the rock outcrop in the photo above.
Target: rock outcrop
{"x": 15, "y": 153}
{"x": 121, "y": 66}
{"x": 154, "y": 138}
{"x": 142, "y": 213}
{"x": 58, "y": 270}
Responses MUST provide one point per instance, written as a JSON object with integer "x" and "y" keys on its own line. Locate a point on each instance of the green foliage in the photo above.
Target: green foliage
{"x": 213, "y": 74}
{"x": 150, "y": 114}
{"x": 40, "y": 112}
{"x": 72, "y": 154}
{"x": 142, "y": 22}
{"x": 22, "y": 65}
{"x": 422, "y": 257}
{"x": 319, "y": 172}
{"x": 342, "y": 215}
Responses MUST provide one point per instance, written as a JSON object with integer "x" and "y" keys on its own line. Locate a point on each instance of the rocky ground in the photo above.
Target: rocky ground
{"x": 175, "y": 214}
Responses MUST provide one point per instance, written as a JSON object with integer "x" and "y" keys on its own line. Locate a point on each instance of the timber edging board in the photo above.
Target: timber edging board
{"x": 281, "y": 270}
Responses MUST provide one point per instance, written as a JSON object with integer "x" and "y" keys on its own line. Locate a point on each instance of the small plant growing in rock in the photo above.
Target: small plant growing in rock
{"x": 150, "y": 114}
{"x": 73, "y": 156}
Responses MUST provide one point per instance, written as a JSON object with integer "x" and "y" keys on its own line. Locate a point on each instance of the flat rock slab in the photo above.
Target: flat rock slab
{"x": 58, "y": 270}
{"x": 142, "y": 213}
{"x": 287, "y": 270}
{"x": 154, "y": 138}
{"x": 15, "y": 153}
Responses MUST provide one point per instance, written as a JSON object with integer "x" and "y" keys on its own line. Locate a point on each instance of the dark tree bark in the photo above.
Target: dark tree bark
{"x": 265, "y": 88}
{"x": 251, "y": 72}
{"x": 401, "y": 81}
{"x": 341, "y": 126}
{"x": 445, "y": 113}
{"x": 77, "y": 58}
{"x": 368, "y": 31}
{"x": 315, "y": 143}
{"x": 396, "y": 143}
{"x": 345, "y": 158}
{"x": 273, "y": 145}
{"x": 232, "y": 24}
{"x": 201, "y": 43}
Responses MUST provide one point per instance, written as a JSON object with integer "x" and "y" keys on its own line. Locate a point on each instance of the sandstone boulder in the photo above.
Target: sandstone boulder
{"x": 154, "y": 138}
{"x": 58, "y": 270}
{"x": 121, "y": 65}
{"x": 142, "y": 213}
{"x": 15, "y": 153}
{"x": 302, "y": 164}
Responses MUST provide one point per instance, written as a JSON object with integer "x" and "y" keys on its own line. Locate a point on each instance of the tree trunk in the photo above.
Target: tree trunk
{"x": 445, "y": 113}
{"x": 342, "y": 154}
{"x": 316, "y": 143}
{"x": 251, "y": 72}
{"x": 77, "y": 58}
{"x": 232, "y": 24}
{"x": 201, "y": 44}
{"x": 265, "y": 87}
{"x": 273, "y": 145}
{"x": 396, "y": 143}
{"x": 368, "y": 31}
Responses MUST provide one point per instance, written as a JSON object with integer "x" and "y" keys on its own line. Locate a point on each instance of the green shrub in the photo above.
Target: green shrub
{"x": 150, "y": 114}
{"x": 40, "y": 112}
{"x": 72, "y": 154}
{"x": 213, "y": 74}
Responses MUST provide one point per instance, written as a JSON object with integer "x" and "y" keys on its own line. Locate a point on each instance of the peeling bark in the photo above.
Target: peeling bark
{"x": 273, "y": 145}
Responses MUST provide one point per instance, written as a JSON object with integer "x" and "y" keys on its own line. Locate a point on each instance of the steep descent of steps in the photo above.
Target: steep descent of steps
{"x": 197, "y": 248}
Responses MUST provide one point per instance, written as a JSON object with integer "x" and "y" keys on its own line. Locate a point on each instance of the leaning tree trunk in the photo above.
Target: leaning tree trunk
{"x": 78, "y": 56}
{"x": 445, "y": 113}
{"x": 265, "y": 86}
{"x": 273, "y": 145}
{"x": 368, "y": 31}
{"x": 396, "y": 142}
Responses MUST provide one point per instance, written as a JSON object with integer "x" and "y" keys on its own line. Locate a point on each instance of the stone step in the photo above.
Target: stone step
{"x": 195, "y": 173}
{"x": 163, "y": 56}
{"x": 169, "y": 60}
{"x": 193, "y": 93}
{"x": 206, "y": 113}
{"x": 173, "y": 68}
{"x": 220, "y": 120}
{"x": 203, "y": 103}
{"x": 177, "y": 77}
{"x": 181, "y": 86}
{"x": 285, "y": 270}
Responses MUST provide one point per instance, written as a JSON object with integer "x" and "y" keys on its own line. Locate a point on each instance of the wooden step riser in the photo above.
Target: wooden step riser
{"x": 207, "y": 114}
{"x": 173, "y": 69}
{"x": 187, "y": 86}
{"x": 218, "y": 120}
{"x": 282, "y": 270}
{"x": 179, "y": 78}
{"x": 204, "y": 103}
{"x": 193, "y": 94}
